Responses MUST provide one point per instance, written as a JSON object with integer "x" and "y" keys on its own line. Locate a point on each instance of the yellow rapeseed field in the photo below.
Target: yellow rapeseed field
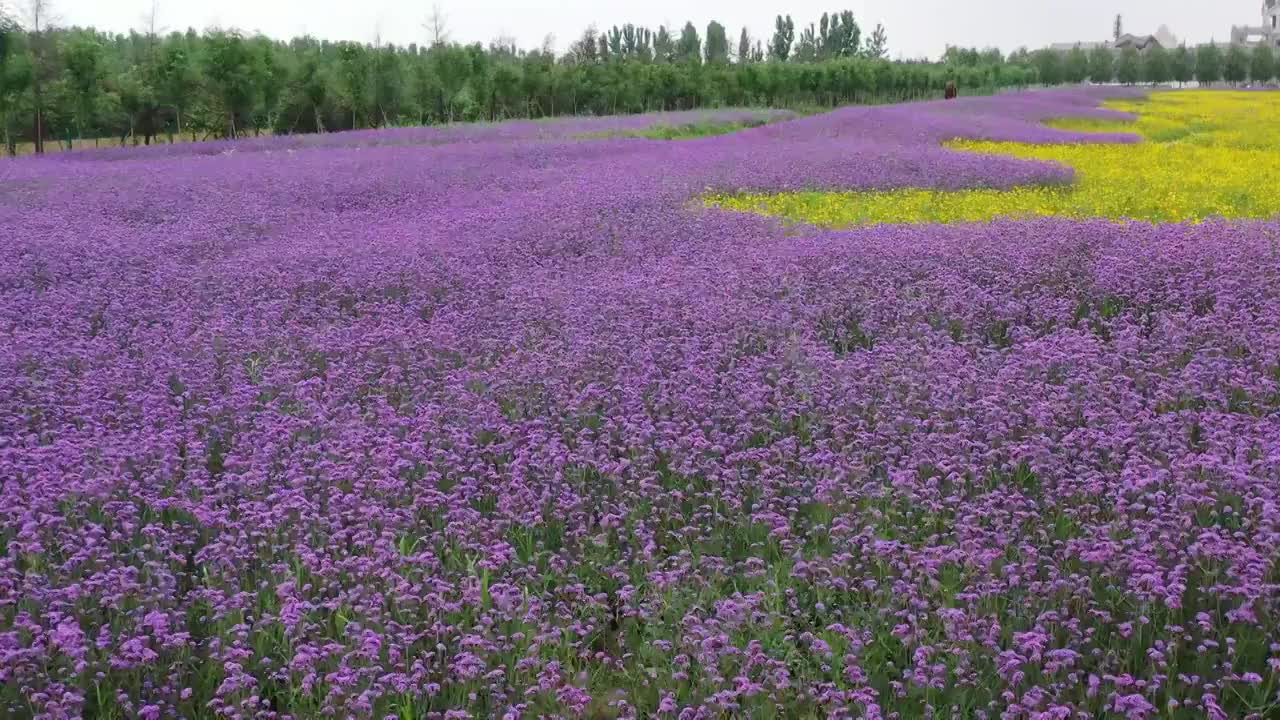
{"x": 1204, "y": 154}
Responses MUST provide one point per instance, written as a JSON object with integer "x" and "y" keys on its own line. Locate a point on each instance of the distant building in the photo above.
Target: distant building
{"x": 1166, "y": 38}
{"x": 1162, "y": 38}
{"x": 1268, "y": 33}
{"x": 1141, "y": 43}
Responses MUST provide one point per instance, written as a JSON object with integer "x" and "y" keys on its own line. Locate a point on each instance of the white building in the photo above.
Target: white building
{"x": 1268, "y": 33}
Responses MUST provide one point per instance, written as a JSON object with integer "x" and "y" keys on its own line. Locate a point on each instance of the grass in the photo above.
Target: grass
{"x": 684, "y": 131}
{"x": 1205, "y": 154}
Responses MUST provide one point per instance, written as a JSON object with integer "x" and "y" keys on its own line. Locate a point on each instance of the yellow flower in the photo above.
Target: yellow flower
{"x": 1205, "y": 154}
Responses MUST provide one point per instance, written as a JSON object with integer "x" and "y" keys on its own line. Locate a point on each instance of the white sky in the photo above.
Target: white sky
{"x": 915, "y": 27}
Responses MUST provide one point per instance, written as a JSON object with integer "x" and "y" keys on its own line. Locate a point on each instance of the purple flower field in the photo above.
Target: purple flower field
{"x": 502, "y": 423}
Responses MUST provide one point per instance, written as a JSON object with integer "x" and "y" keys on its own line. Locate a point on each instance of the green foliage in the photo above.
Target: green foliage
{"x": 177, "y": 79}
{"x": 85, "y": 71}
{"x": 664, "y": 47}
{"x": 807, "y": 46}
{"x": 1129, "y": 67}
{"x": 1208, "y": 64}
{"x": 1075, "y": 67}
{"x": 1156, "y": 67}
{"x": 1048, "y": 65}
{"x": 228, "y": 68}
{"x": 1102, "y": 65}
{"x": 972, "y": 57}
{"x": 717, "y": 44}
{"x": 1262, "y": 66}
{"x": 840, "y": 36}
{"x": 1235, "y": 69}
{"x": 1182, "y": 65}
{"x": 689, "y": 47}
{"x": 686, "y": 131}
{"x": 784, "y": 34}
{"x": 15, "y": 76}
{"x": 878, "y": 45}
{"x": 354, "y": 78}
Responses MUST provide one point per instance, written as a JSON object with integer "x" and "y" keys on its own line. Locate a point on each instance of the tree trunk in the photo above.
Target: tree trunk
{"x": 39, "y": 136}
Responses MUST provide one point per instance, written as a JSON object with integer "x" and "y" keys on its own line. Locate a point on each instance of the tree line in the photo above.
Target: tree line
{"x": 72, "y": 85}
{"x": 1205, "y": 64}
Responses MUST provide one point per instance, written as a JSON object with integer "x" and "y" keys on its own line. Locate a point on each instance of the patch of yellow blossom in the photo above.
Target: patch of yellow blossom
{"x": 1205, "y": 154}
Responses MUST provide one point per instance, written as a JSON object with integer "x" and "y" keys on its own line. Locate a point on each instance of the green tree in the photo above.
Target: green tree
{"x": 807, "y": 46}
{"x": 744, "y": 47}
{"x": 664, "y": 47}
{"x": 15, "y": 77}
{"x": 1262, "y": 66}
{"x": 353, "y": 75}
{"x": 1236, "y": 67}
{"x": 9, "y": 33}
{"x": 505, "y": 90}
{"x": 1182, "y": 65}
{"x": 1101, "y": 65}
{"x": 136, "y": 96}
{"x": 83, "y": 57}
{"x": 586, "y": 49}
{"x": 1048, "y": 65}
{"x": 1208, "y": 64}
{"x": 1075, "y": 68}
{"x": 228, "y": 66}
{"x": 40, "y": 50}
{"x": 537, "y": 71}
{"x": 784, "y": 34}
{"x": 389, "y": 85}
{"x": 454, "y": 66}
{"x": 177, "y": 79}
{"x": 689, "y": 46}
{"x": 717, "y": 47}
{"x": 878, "y": 45}
{"x": 270, "y": 78}
{"x": 840, "y": 36}
{"x": 1155, "y": 66}
{"x": 309, "y": 94}
{"x": 1129, "y": 67}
